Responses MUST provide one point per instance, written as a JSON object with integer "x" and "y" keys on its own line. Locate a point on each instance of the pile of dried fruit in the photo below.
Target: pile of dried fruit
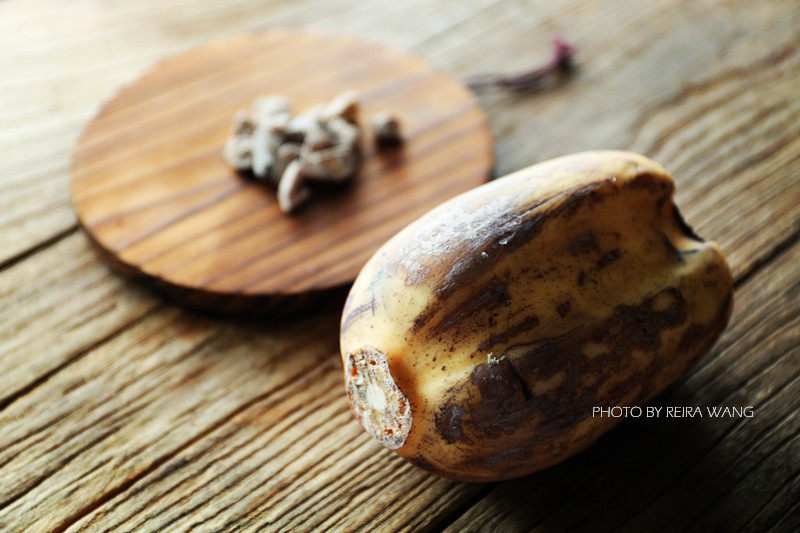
{"x": 321, "y": 144}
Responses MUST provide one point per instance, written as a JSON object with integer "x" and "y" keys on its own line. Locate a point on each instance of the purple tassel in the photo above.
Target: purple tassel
{"x": 561, "y": 63}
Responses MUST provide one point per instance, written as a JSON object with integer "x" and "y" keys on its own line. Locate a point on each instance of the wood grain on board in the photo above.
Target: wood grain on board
{"x": 151, "y": 189}
{"x": 121, "y": 411}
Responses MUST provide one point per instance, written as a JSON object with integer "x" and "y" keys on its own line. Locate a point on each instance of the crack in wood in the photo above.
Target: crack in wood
{"x": 70, "y": 360}
{"x": 36, "y": 248}
{"x": 247, "y": 474}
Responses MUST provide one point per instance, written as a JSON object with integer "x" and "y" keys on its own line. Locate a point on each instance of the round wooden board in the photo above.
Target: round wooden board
{"x": 151, "y": 189}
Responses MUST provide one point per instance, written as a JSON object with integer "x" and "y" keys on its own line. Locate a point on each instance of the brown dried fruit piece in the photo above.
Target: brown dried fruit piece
{"x": 505, "y": 315}
{"x": 387, "y": 129}
{"x": 293, "y": 191}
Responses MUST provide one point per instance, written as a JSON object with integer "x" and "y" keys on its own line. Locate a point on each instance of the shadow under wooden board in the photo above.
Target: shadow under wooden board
{"x": 152, "y": 191}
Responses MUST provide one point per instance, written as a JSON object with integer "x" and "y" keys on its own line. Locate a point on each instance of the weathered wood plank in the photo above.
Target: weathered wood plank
{"x": 217, "y": 404}
{"x": 57, "y": 307}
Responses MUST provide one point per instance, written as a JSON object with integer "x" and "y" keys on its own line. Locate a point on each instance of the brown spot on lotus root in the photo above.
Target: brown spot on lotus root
{"x": 491, "y": 295}
{"x": 501, "y": 396}
{"x": 448, "y": 421}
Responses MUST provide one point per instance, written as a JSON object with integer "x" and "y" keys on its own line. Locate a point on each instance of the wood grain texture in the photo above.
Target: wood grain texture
{"x": 151, "y": 189}
{"x": 121, "y": 411}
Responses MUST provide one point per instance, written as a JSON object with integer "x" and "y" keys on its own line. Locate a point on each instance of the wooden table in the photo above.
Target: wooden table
{"x": 120, "y": 410}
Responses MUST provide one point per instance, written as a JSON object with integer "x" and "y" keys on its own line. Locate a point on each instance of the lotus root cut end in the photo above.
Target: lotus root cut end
{"x": 378, "y": 403}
